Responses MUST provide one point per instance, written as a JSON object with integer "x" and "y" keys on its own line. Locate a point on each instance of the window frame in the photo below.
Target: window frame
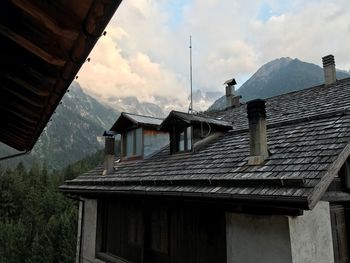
{"x": 124, "y": 141}
{"x": 177, "y": 137}
{"x": 147, "y": 232}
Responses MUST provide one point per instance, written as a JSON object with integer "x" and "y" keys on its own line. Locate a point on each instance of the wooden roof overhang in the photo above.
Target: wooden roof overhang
{"x": 43, "y": 45}
{"x": 128, "y": 121}
{"x": 182, "y": 120}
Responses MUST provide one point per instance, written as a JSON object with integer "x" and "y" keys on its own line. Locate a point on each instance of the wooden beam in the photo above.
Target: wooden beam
{"x": 14, "y": 108}
{"x": 36, "y": 103}
{"x": 11, "y": 136}
{"x": 28, "y": 45}
{"x": 326, "y": 180}
{"x": 18, "y": 115}
{"x": 20, "y": 122}
{"x": 336, "y": 196}
{"x": 47, "y": 21}
{"x": 15, "y": 129}
{"x": 24, "y": 84}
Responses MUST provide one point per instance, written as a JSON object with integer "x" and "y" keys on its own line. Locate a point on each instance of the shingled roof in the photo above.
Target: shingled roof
{"x": 134, "y": 120}
{"x": 308, "y": 138}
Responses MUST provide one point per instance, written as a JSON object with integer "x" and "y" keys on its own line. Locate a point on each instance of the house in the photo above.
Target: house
{"x": 265, "y": 181}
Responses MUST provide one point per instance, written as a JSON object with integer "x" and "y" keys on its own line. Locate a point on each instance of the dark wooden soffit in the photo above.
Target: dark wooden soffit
{"x": 43, "y": 45}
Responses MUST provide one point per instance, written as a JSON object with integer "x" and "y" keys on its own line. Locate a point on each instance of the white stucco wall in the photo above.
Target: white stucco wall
{"x": 311, "y": 236}
{"x": 275, "y": 239}
{"x": 253, "y": 238}
{"x": 88, "y": 245}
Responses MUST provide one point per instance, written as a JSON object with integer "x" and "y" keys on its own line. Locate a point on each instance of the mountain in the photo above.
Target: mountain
{"x": 75, "y": 131}
{"x": 202, "y": 100}
{"x": 277, "y": 77}
{"x": 133, "y": 105}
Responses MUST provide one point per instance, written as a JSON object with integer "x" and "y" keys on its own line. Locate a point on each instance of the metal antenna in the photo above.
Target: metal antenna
{"x": 190, "y": 110}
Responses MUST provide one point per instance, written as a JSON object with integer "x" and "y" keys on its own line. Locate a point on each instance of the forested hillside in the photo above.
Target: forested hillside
{"x": 37, "y": 223}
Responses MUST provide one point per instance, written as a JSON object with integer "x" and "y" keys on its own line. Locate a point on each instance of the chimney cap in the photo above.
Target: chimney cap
{"x": 109, "y": 133}
{"x": 256, "y": 108}
{"x": 230, "y": 82}
{"x": 328, "y": 60}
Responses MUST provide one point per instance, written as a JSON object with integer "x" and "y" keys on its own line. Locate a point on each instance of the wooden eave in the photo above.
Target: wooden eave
{"x": 43, "y": 46}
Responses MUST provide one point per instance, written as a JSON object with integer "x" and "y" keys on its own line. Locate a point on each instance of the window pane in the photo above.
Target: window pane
{"x": 182, "y": 141}
{"x": 138, "y": 141}
{"x": 130, "y": 143}
{"x": 189, "y": 138}
{"x": 154, "y": 141}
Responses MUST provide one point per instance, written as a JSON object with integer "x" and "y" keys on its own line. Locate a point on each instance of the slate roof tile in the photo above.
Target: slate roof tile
{"x": 307, "y": 130}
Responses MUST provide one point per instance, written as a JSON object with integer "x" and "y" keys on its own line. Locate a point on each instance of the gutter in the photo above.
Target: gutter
{"x": 295, "y": 202}
{"x": 14, "y": 155}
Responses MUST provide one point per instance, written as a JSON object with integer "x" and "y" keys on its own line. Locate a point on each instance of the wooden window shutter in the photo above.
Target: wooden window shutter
{"x": 159, "y": 234}
{"x": 339, "y": 233}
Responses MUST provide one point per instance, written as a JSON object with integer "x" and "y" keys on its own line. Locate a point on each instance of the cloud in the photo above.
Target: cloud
{"x": 145, "y": 52}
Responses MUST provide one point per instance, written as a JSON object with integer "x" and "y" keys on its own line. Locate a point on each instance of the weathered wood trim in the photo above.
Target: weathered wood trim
{"x": 34, "y": 48}
{"x": 47, "y": 21}
{"x": 336, "y": 196}
{"x": 327, "y": 179}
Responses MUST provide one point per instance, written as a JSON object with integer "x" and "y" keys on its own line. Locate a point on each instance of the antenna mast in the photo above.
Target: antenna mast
{"x": 190, "y": 110}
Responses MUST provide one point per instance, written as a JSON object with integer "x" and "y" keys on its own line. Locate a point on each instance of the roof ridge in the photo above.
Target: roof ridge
{"x": 320, "y": 116}
{"x": 339, "y": 81}
{"x": 324, "y": 115}
{"x": 134, "y": 114}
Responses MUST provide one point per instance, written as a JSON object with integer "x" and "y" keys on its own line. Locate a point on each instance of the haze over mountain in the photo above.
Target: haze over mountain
{"x": 280, "y": 76}
{"x": 160, "y": 106}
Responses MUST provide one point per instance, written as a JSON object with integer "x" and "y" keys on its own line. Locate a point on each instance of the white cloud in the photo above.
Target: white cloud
{"x": 145, "y": 54}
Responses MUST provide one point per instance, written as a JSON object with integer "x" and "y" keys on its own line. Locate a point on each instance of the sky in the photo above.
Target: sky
{"x": 145, "y": 52}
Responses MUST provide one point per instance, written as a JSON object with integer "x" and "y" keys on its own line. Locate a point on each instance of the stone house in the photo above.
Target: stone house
{"x": 265, "y": 181}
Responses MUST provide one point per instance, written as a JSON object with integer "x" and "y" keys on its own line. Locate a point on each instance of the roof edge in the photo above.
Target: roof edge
{"x": 326, "y": 180}
{"x": 291, "y": 202}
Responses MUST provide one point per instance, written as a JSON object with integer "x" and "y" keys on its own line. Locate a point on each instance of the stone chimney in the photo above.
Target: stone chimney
{"x": 329, "y": 70}
{"x": 257, "y": 132}
{"x": 109, "y": 153}
{"x": 232, "y": 101}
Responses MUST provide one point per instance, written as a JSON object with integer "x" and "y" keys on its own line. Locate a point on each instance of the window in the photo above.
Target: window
{"x": 122, "y": 230}
{"x": 129, "y": 230}
{"x": 184, "y": 140}
{"x": 132, "y": 231}
{"x": 154, "y": 141}
{"x": 132, "y": 143}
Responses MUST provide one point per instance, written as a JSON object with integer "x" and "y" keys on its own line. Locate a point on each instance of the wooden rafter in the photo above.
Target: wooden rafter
{"x": 28, "y": 45}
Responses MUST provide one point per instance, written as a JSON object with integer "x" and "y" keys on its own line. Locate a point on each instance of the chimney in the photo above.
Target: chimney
{"x": 232, "y": 101}
{"x": 257, "y": 132}
{"x": 329, "y": 70}
{"x": 109, "y": 153}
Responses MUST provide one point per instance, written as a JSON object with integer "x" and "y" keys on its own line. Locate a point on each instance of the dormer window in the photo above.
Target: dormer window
{"x": 132, "y": 143}
{"x": 140, "y": 137}
{"x": 187, "y": 131}
{"x": 184, "y": 140}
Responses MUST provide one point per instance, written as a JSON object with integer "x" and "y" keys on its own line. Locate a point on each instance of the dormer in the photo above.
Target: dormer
{"x": 188, "y": 132}
{"x": 140, "y": 135}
